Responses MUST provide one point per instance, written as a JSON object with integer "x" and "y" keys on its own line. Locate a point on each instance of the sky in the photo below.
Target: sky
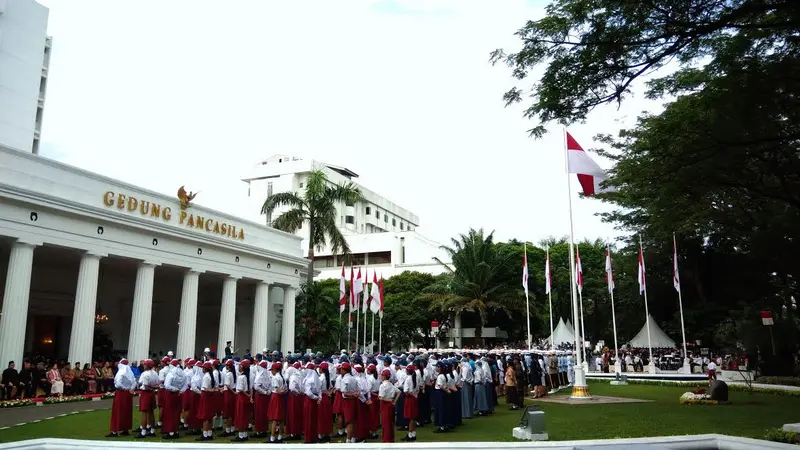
{"x": 194, "y": 92}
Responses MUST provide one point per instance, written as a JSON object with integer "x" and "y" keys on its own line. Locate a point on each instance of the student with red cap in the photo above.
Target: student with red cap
{"x": 387, "y": 394}
{"x": 350, "y": 393}
{"x": 163, "y": 369}
{"x": 325, "y": 408}
{"x": 261, "y": 393}
{"x": 277, "y": 411}
{"x": 312, "y": 391}
{"x": 208, "y": 401}
{"x": 375, "y": 404}
{"x": 122, "y": 408}
{"x": 170, "y": 412}
{"x": 228, "y": 397}
{"x": 244, "y": 401}
{"x": 411, "y": 406}
{"x": 148, "y": 383}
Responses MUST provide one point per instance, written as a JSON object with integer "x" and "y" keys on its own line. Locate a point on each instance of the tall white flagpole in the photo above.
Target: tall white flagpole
{"x": 677, "y": 280}
{"x": 580, "y": 390}
{"x": 527, "y": 301}
{"x": 580, "y": 304}
{"x": 549, "y": 291}
{"x": 380, "y": 334}
{"x": 358, "y": 314}
{"x": 339, "y": 343}
{"x": 372, "y": 335}
{"x": 651, "y": 366}
{"x": 617, "y": 362}
{"x": 364, "y": 307}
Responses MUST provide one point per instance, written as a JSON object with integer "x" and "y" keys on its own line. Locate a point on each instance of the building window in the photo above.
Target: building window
{"x": 301, "y": 185}
{"x": 394, "y": 222}
{"x": 349, "y": 203}
{"x": 401, "y": 226}
{"x": 380, "y": 258}
{"x": 349, "y": 219}
{"x": 402, "y": 250}
{"x": 377, "y": 214}
{"x": 322, "y": 262}
{"x": 269, "y": 194}
{"x": 386, "y": 218}
{"x": 369, "y": 210}
{"x": 341, "y": 219}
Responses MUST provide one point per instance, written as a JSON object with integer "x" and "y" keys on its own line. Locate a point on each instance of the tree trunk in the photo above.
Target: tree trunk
{"x": 310, "y": 275}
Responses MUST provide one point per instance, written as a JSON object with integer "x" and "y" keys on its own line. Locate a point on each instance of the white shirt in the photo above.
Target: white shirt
{"x": 387, "y": 391}
{"x": 400, "y": 380}
{"x": 162, "y": 374}
{"x": 241, "y": 383}
{"x": 228, "y": 379}
{"x": 374, "y": 384}
{"x": 278, "y": 384}
{"x": 312, "y": 385}
{"x": 197, "y": 380}
{"x": 478, "y": 376}
{"x": 466, "y": 373}
{"x": 207, "y": 382}
{"x": 262, "y": 383}
{"x": 124, "y": 379}
{"x": 294, "y": 382}
{"x": 712, "y": 366}
{"x": 149, "y": 380}
{"x": 349, "y": 384}
{"x": 409, "y": 387}
{"x": 175, "y": 380}
{"x": 441, "y": 381}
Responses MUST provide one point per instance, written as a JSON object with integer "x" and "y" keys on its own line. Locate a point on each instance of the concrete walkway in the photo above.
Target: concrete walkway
{"x": 10, "y": 417}
{"x": 781, "y": 387}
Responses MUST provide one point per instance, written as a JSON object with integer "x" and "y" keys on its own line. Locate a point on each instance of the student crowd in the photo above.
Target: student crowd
{"x": 317, "y": 398}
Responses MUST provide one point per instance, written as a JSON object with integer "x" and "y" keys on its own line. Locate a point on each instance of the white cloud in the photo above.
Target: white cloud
{"x": 163, "y": 94}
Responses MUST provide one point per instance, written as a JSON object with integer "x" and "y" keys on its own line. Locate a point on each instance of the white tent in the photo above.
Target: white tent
{"x": 658, "y": 339}
{"x": 561, "y": 334}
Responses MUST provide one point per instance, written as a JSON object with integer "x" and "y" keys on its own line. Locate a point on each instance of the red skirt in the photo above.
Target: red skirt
{"x": 411, "y": 407}
{"x": 261, "y": 407}
{"x": 350, "y": 409}
{"x": 276, "y": 407}
{"x": 207, "y": 409}
{"x": 337, "y": 403}
{"x": 362, "y": 421}
{"x": 374, "y": 413}
{"x": 195, "y": 422}
{"x": 170, "y": 411}
{"x": 325, "y": 416}
{"x": 161, "y": 398}
{"x": 310, "y": 420}
{"x": 219, "y": 402}
{"x": 387, "y": 421}
{"x": 244, "y": 410}
{"x": 186, "y": 400}
{"x": 294, "y": 415}
{"x": 229, "y": 407}
{"x": 147, "y": 401}
{"x": 121, "y": 411}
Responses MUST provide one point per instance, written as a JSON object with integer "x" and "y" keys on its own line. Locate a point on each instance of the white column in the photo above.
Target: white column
{"x": 273, "y": 325}
{"x": 227, "y": 315}
{"x": 139, "y": 340}
{"x": 260, "y": 318}
{"x": 81, "y": 340}
{"x": 287, "y": 332}
{"x": 15, "y": 302}
{"x": 187, "y": 325}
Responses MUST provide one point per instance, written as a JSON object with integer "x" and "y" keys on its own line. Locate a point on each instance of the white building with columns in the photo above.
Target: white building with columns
{"x": 382, "y": 235}
{"x": 81, "y": 252}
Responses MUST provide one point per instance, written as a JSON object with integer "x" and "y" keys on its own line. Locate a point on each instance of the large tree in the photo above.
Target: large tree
{"x": 316, "y": 207}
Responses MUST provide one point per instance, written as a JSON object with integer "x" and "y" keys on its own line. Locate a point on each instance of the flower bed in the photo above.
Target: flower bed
{"x": 71, "y": 399}
{"x": 16, "y": 403}
{"x": 692, "y": 398}
{"x": 697, "y": 384}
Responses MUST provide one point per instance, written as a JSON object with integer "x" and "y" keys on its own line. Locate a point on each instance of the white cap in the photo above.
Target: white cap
{"x": 206, "y": 350}
{"x": 169, "y": 353}
{"x": 263, "y": 352}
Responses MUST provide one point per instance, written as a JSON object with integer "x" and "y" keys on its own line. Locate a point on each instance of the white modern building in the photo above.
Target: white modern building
{"x": 381, "y": 234}
{"x": 79, "y": 250}
{"x": 24, "y": 64}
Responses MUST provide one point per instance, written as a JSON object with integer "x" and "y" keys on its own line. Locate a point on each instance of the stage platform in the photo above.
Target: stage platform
{"x": 660, "y": 376}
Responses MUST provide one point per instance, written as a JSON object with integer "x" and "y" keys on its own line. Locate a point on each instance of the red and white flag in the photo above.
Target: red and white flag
{"x": 365, "y": 288}
{"x": 342, "y": 292}
{"x": 641, "y": 273}
{"x": 590, "y": 174}
{"x": 525, "y": 269}
{"x": 358, "y": 287}
{"x": 375, "y": 303}
{"x": 547, "y": 277}
{"x": 352, "y": 288}
{"x": 609, "y": 272}
{"x": 676, "y": 278}
{"x": 381, "y": 296}
{"x": 578, "y": 270}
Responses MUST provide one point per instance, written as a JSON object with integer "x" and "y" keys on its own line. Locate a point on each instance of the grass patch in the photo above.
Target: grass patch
{"x": 748, "y": 415}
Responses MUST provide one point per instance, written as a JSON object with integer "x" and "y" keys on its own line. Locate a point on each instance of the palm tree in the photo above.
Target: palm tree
{"x": 475, "y": 285}
{"x": 316, "y": 207}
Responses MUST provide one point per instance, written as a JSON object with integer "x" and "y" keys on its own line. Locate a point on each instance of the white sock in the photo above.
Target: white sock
{"x": 341, "y": 430}
{"x": 227, "y": 429}
{"x": 279, "y": 437}
{"x": 272, "y": 438}
{"x": 144, "y": 432}
{"x": 413, "y": 434}
{"x": 242, "y": 435}
{"x": 159, "y": 424}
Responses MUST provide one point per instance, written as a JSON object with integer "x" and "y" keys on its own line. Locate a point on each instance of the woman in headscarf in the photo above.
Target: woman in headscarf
{"x": 325, "y": 408}
{"x": 196, "y": 386}
{"x": 122, "y": 408}
{"x": 312, "y": 390}
{"x": 439, "y": 393}
{"x": 56, "y": 384}
{"x": 479, "y": 382}
{"x": 294, "y": 409}
{"x": 244, "y": 402}
{"x": 261, "y": 391}
{"x": 362, "y": 415}
{"x": 174, "y": 382}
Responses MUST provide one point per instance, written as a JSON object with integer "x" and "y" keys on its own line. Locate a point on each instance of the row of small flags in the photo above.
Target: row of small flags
{"x": 372, "y": 299}
{"x": 640, "y": 274}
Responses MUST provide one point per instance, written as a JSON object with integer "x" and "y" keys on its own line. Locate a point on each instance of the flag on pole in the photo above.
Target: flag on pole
{"x": 342, "y": 292}
{"x": 609, "y": 272}
{"x": 641, "y": 273}
{"x": 590, "y": 174}
{"x": 381, "y": 297}
{"x": 547, "y": 277}
{"x": 375, "y": 303}
{"x": 578, "y": 270}
{"x": 525, "y": 269}
{"x": 364, "y": 287}
{"x": 352, "y": 290}
{"x": 676, "y": 278}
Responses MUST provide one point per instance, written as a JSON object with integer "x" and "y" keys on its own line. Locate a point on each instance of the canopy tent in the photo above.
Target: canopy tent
{"x": 561, "y": 334}
{"x": 658, "y": 339}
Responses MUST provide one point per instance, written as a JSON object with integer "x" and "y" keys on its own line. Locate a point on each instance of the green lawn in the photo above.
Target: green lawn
{"x": 748, "y": 415}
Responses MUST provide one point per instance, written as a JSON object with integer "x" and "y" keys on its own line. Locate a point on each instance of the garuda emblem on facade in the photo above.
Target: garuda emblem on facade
{"x": 185, "y": 198}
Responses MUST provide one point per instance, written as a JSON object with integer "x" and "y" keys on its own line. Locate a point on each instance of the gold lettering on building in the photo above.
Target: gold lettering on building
{"x": 148, "y": 208}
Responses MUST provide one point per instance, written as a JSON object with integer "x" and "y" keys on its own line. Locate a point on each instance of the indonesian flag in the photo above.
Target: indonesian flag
{"x": 578, "y": 270}
{"x": 365, "y": 288}
{"x": 676, "y": 278}
{"x": 342, "y": 292}
{"x": 381, "y": 297}
{"x": 547, "y": 277}
{"x": 375, "y": 303}
{"x": 641, "y": 272}
{"x": 358, "y": 287}
{"x": 609, "y": 272}
{"x": 589, "y": 173}
{"x": 525, "y": 269}
{"x": 352, "y": 288}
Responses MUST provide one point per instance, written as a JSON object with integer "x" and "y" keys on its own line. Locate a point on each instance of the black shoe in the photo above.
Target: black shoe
{"x": 125, "y": 433}
{"x": 409, "y": 439}
{"x": 169, "y": 437}
{"x": 227, "y": 434}
{"x": 440, "y": 430}
{"x": 240, "y": 439}
{"x": 325, "y": 439}
{"x": 140, "y": 436}
{"x": 112, "y": 435}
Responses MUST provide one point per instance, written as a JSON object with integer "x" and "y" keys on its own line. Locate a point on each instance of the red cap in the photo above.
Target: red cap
{"x": 229, "y": 362}
{"x": 359, "y": 368}
{"x": 310, "y": 366}
{"x": 175, "y": 362}
{"x": 346, "y": 366}
{"x": 123, "y": 361}
{"x": 208, "y": 365}
{"x": 165, "y": 359}
{"x": 296, "y": 365}
{"x": 245, "y": 364}
{"x": 190, "y": 362}
{"x": 371, "y": 368}
{"x": 386, "y": 373}
{"x": 277, "y": 366}
{"x": 323, "y": 365}
{"x": 410, "y": 368}
{"x": 263, "y": 363}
